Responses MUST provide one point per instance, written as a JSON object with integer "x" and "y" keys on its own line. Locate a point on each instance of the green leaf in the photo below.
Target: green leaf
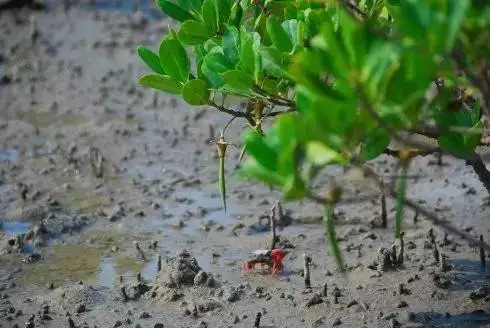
{"x": 231, "y": 44}
{"x": 193, "y": 32}
{"x": 174, "y": 60}
{"x": 174, "y": 11}
{"x": 278, "y": 35}
{"x": 374, "y": 144}
{"x": 217, "y": 62}
{"x": 209, "y": 13}
{"x": 265, "y": 155}
{"x": 249, "y": 43}
{"x": 236, "y": 80}
{"x": 214, "y": 79}
{"x": 319, "y": 154}
{"x": 224, "y": 11}
{"x": 291, "y": 28}
{"x": 151, "y": 59}
{"x": 161, "y": 82}
{"x": 190, "y": 4}
{"x": 274, "y": 62}
{"x": 457, "y": 12}
{"x": 236, "y": 15}
{"x": 196, "y": 92}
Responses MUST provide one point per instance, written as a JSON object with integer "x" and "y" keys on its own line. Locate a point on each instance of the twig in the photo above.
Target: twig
{"x": 384, "y": 215}
{"x": 480, "y": 169}
{"x": 273, "y": 228}
{"x": 258, "y": 316}
{"x": 482, "y": 252}
{"x": 232, "y": 112}
{"x": 307, "y": 262}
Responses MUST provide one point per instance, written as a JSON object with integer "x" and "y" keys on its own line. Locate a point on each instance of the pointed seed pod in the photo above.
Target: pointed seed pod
{"x": 221, "y": 148}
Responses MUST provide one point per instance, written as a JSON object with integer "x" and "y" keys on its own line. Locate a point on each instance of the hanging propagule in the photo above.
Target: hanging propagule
{"x": 307, "y": 262}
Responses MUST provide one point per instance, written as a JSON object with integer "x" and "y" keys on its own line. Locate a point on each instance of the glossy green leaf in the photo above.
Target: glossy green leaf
{"x": 193, "y": 32}
{"x": 196, "y": 92}
{"x": 161, "y": 82}
{"x": 174, "y": 11}
{"x": 274, "y": 62}
{"x": 215, "y": 79}
{"x": 231, "y": 44}
{"x": 291, "y": 28}
{"x": 320, "y": 154}
{"x": 457, "y": 11}
{"x": 236, "y": 80}
{"x": 190, "y": 4}
{"x": 151, "y": 59}
{"x": 217, "y": 62}
{"x": 236, "y": 14}
{"x": 374, "y": 144}
{"x": 265, "y": 155}
{"x": 174, "y": 60}
{"x": 278, "y": 35}
{"x": 209, "y": 14}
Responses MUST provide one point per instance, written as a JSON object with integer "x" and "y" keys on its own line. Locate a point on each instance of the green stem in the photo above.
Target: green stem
{"x": 400, "y": 200}
{"x": 221, "y": 181}
{"x": 332, "y": 237}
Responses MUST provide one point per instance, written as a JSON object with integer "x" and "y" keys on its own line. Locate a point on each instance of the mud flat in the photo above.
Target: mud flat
{"x": 85, "y": 251}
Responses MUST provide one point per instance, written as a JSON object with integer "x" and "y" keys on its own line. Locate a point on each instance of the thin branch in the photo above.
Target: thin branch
{"x": 289, "y": 110}
{"x": 477, "y": 164}
{"x": 275, "y": 99}
{"x": 232, "y": 112}
{"x": 396, "y": 153}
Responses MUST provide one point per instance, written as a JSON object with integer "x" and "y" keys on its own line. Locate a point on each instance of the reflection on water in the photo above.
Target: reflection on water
{"x": 9, "y": 155}
{"x": 112, "y": 267}
{"x": 147, "y": 7}
{"x": 14, "y": 228}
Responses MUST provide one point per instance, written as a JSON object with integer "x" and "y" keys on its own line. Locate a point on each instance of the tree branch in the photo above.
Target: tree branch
{"x": 233, "y": 112}
{"x": 480, "y": 168}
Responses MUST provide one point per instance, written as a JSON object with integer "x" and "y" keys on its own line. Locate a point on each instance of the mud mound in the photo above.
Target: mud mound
{"x": 71, "y": 297}
{"x": 182, "y": 278}
{"x": 179, "y": 271}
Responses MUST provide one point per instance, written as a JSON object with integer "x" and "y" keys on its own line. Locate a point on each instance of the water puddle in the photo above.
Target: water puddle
{"x": 14, "y": 228}
{"x": 111, "y": 268}
{"x": 45, "y": 119}
{"x": 9, "y": 155}
{"x": 64, "y": 263}
{"x": 147, "y": 7}
{"x": 81, "y": 199}
{"x": 466, "y": 320}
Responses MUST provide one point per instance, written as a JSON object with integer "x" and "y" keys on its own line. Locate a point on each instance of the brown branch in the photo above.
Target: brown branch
{"x": 233, "y": 112}
{"x": 396, "y": 153}
{"x": 480, "y": 169}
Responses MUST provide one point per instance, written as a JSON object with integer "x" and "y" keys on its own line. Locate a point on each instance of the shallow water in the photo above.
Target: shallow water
{"x": 14, "y": 228}
{"x": 9, "y": 155}
{"x": 147, "y": 7}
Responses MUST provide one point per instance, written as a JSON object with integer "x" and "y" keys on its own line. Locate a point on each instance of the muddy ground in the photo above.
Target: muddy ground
{"x": 68, "y": 239}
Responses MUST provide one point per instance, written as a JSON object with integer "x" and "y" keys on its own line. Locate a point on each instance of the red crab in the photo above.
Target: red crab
{"x": 271, "y": 258}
